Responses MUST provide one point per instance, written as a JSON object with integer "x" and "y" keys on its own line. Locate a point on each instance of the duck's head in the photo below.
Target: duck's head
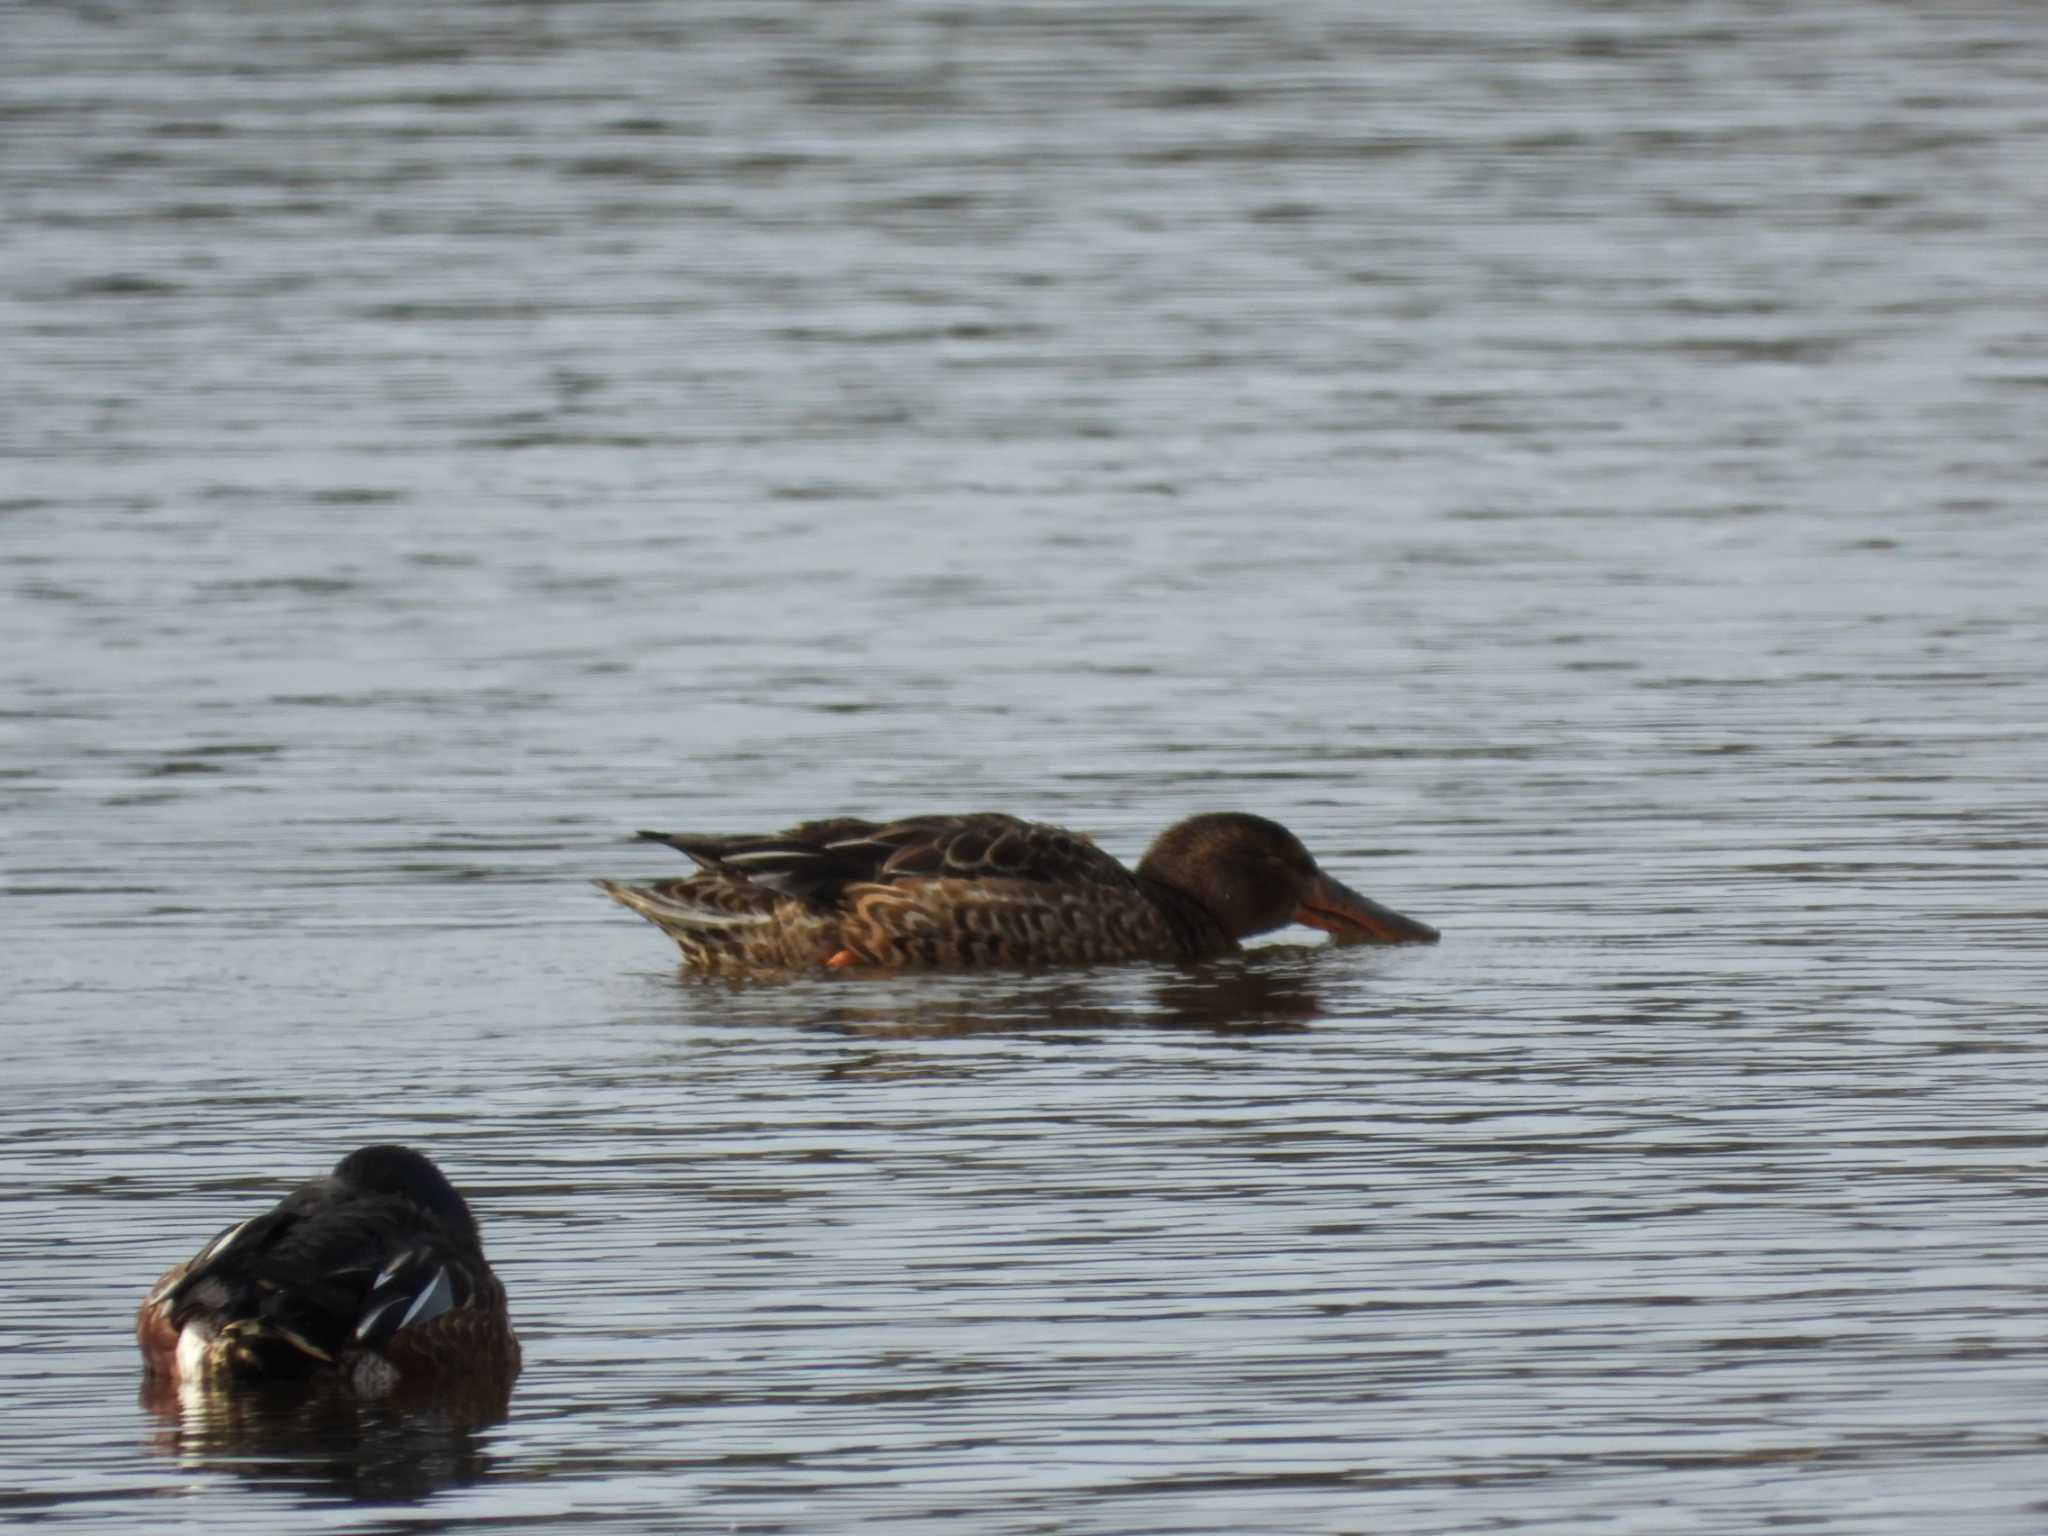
{"x": 400, "y": 1171}
{"x": 1253, "y": 876}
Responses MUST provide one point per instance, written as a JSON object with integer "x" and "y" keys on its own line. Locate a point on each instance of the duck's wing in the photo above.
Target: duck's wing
{"x": 316, "y": 1277}
{"x": 812, "y": 862}
{"x": 816, "y": 861}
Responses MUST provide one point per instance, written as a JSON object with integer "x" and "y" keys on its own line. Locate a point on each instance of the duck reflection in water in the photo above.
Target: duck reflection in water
{"x": 324, "y": 1441}
{"x": 1272, "y": 990}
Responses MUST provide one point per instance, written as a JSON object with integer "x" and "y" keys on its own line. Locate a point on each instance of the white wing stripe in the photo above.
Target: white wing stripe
{"x": 391, "y": 1269}
{"x": 370, "y": 1319}
{"x": 220, "y": 1244}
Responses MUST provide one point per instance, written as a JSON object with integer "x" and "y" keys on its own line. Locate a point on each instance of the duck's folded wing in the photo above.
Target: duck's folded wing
{"x": 992, "y": 846}
{"x": 812, "y": 862}
{"x": 325, "y": 1281}
{"x": 416, "y": 1287}
{"x": 817, "y": 861}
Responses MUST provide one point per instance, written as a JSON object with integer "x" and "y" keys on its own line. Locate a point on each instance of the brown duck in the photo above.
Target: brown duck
{"x": 990, "y": 890}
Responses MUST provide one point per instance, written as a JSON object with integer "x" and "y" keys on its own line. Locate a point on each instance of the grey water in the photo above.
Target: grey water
{"x": 1577, "y": 464}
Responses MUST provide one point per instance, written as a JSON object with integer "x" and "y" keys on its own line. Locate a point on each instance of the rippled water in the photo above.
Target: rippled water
{"x": 1578, "y": 465}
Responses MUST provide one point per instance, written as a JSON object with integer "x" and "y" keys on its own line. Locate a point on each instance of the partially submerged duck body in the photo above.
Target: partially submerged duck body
{"x": 370, "y": 1278}
{"x": 990, "y": 890}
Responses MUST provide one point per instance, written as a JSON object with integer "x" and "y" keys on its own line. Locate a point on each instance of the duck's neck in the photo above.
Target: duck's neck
{"x": 1194, "y": 924}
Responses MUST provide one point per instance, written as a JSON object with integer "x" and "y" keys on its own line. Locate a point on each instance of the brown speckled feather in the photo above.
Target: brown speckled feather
{"x": 966, "y": 924}
{"x": 472, "y": 1341}
{"x": 726, "y": 927}
{"x": 988, "y": 890}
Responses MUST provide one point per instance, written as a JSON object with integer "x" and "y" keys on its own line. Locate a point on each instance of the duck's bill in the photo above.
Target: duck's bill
{"x": 1335, "y": 908}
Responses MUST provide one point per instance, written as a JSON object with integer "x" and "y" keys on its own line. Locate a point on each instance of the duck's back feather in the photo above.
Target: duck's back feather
{"x": 817, "y": 861}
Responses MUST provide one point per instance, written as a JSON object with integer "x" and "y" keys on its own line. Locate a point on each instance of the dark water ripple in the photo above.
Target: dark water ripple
{"x": 1577, "y": 464}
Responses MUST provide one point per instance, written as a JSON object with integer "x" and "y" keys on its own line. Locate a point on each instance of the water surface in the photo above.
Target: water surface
{"x": 1578, "y": 465}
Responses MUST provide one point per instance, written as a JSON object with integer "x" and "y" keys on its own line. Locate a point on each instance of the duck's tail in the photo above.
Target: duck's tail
{"x": 675, "y": 908}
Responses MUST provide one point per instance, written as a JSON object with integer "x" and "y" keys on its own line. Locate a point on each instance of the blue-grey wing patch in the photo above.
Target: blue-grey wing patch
{"x": 413, "y": 1288}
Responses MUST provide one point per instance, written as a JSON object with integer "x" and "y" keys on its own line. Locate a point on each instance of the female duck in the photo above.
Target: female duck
{"x": 990, "y": 890}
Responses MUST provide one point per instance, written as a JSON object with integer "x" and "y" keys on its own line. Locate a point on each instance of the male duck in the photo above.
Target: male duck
{"x": 991, "y": 890}
{"x": 370, "y": 1277}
